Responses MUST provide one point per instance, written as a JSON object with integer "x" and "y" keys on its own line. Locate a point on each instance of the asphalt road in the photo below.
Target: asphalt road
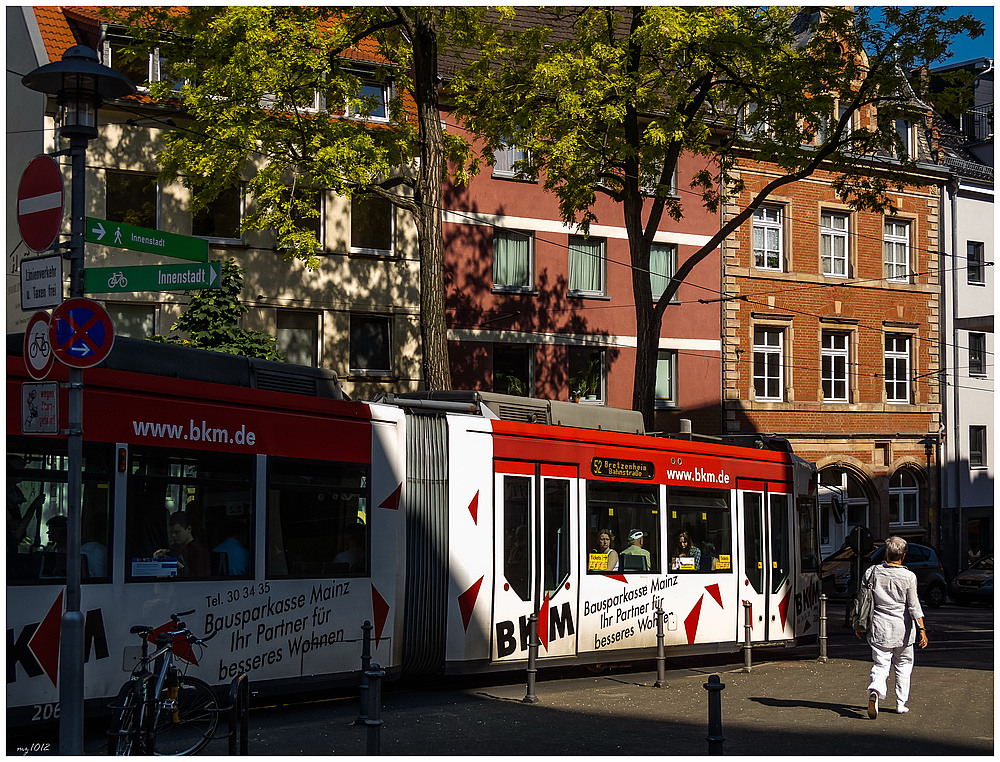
{"x": 788, "y": 704}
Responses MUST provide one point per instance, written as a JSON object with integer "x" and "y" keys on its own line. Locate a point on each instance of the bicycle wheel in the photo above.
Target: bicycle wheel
{"x": 124, "y": 733}
{"x": 188, "y": 726}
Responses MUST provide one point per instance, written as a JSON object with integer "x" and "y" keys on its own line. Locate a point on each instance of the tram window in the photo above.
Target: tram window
{"x": 36, "y": 512}
{"x": 807, "y": 533}
{"x": 190, "y": 515}
{"x": 700, "y": 530}
{"x": 624, "y": 509}
{"x": 555, "y": 533}
{"x": 780, "y": 555}
{"x": 516, "y": 502}
{"x": 317, "y": 519}
{"x": 753, "y": 539}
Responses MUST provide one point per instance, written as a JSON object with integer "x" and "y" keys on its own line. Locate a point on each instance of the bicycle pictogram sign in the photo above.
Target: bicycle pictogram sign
{"x": 81, "y": 333}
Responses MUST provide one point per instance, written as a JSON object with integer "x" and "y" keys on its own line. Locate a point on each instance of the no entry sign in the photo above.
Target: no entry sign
{"x": 81, "y": 333}
{"x": 40, "y": 203}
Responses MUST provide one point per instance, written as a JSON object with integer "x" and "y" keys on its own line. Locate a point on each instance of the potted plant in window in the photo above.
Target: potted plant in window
{"x": 508, "y": 383}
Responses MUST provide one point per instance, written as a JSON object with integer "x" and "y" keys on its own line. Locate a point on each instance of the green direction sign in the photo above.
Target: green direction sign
{"x": 123, "y": 236}
{"x": 106, "y": 280}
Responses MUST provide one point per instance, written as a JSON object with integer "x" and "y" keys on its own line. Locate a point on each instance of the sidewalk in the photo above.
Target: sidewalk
{"x": 794, "y": 705}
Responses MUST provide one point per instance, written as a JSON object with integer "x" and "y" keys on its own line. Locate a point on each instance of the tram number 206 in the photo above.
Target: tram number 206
{"x": 45, "y": 712}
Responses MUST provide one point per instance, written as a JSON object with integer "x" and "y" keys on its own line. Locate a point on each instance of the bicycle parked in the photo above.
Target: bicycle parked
{"x": 163, "y": 710}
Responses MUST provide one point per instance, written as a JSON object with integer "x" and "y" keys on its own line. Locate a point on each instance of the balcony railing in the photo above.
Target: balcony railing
{"x": 977, "y": 123}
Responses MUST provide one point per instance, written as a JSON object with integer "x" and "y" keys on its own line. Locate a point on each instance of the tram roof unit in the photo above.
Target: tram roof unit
{"x": 173, "y": 361}
{"x": 508, "y": 407}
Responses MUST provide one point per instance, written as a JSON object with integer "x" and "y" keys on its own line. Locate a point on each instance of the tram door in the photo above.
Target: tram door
{"x": 535, "y": 566}
{"x": 766, "y": 564}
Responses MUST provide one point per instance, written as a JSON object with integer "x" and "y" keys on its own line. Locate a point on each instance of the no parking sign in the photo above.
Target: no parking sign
{"x": 81, "y": 333}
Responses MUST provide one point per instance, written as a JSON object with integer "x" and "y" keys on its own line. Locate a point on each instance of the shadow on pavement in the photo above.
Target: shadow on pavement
{"x": 844, "y": 710}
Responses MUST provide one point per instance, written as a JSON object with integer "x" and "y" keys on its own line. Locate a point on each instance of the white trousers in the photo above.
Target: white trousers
{"x": 902, "y": 659}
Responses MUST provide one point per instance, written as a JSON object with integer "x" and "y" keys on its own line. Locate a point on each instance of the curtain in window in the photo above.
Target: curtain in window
{"x": 585, "y": 265}
{"x": 661, "y": 267}
{"x": 511, "y": 259}
{"x": 664, "y": 377}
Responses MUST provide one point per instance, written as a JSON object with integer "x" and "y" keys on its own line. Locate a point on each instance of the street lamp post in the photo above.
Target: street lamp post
{"x": 80, "y": 83}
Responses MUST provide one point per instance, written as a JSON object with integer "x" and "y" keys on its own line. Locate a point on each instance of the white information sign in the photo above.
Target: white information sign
{"x": 41, "y": 282}
{"x": 40, "y": 407}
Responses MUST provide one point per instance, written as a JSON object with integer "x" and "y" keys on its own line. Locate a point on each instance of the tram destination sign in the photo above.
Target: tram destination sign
{"x": 122, "y": 236}
{"x": 621, "y": 468}
{"x": 112, "y": 280}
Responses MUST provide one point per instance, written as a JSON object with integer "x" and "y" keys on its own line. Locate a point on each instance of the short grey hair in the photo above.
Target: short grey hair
{"x": 895, "y": 548}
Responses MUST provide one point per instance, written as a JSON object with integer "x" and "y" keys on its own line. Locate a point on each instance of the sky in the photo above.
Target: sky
{"x": 964, "y": 48}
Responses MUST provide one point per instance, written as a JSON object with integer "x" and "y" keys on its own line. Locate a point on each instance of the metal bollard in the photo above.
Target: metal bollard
{"x": 715, "y": 686}
{"x": 529, "y": 696}
{"x": 374, "y": 719}
{"x": 661, "y": 661}
{"x": 747, "y": 631}
{"x": 366, "y": 661}
{"x": 822, "y": 628}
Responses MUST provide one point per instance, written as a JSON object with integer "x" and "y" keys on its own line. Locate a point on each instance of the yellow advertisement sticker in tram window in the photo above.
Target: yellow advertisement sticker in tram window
{"x": 723, "y": 562}
{"x": 673, "y": 514}
{"x": 760, "y": 564}
{"x": 611, "y": 511}
{"x": 774, "y": 564}
{"x": 704, "y": 517}
{"x": 597, "y": 562}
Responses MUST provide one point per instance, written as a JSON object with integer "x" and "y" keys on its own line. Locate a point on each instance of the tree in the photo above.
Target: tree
{"x": 268, "y": 88}
{"x": 212, "y": 321}
{"x": 605, "y": 100}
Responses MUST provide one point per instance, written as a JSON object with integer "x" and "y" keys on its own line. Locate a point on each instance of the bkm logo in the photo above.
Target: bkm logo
{"x": 553, "y": 623}
{"x": 36, "y": 648}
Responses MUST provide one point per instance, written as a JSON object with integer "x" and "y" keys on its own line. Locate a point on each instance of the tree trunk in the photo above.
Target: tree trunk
{"x": 430, "y": 233}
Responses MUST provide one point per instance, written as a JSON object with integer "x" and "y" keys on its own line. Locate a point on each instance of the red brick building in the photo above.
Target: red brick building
{"x": 831, "y": 340}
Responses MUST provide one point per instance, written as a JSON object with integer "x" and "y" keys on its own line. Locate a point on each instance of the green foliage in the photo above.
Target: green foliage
{"x": 212, "y": 321}
{"x": 609, "y": 107}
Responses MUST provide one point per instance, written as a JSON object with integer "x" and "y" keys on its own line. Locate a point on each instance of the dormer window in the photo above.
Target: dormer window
{"x": 141, "y": 71}
{"x": 372, "y": 95}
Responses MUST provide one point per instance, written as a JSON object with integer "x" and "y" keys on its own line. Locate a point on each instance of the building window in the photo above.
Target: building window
{"x": 897, "y": 368}
{"x": 977, "y": 354}
{"x": 833, "y": 243}
{"x": 904, "y": 499}
{"x": 904, "y": 133}
{"x": 221, "y": 219}
{"x": 975, "y": 262}
{"x": 662, "y": 265}
{"x": 767, "y": 238}
{"x": 768, "y": 350}
{"x": 586, "y": 266}
{"x": 371, "y": 225}
{"x": 505, "y": 161}
{"x": 896, "y": 248}
{"x": 835, "y": 366}
{"x": 512, "y": 369}
{"x": 666, "y": 378}
{"x": 372, "y": 103}
{"x": 977, "y": 447}
{"x": 297, "y": 336}
{"x": 512, "y": 260}
{"x": 370, "y": 344}
{"x": 586, "y": 374}
{"x": 130, "y": 198}
{"x": 136, "y": 321}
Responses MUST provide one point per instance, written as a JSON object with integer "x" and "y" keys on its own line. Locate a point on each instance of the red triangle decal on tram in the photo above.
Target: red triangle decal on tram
{"x": 380, "y": 612}
{"x": 713, "y": 590}
{"x": 783, "y": 607}
{"x": 619, "y": 577}
{"x": 182, "y": 649}
{"x": 691, "y": 622}
{"x": 392, "y": 502}
{"x": 44, "y": 641}
{"x": 543, "y": 623}
{"x": 467, "y": 602}
{"x": 474, "y": 508}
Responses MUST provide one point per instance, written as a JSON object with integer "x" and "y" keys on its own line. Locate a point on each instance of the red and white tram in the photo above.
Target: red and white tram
{"x": 287, "y": 516}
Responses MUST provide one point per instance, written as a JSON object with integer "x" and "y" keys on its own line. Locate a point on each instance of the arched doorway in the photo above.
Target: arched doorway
{"x": 843, "y": 504}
